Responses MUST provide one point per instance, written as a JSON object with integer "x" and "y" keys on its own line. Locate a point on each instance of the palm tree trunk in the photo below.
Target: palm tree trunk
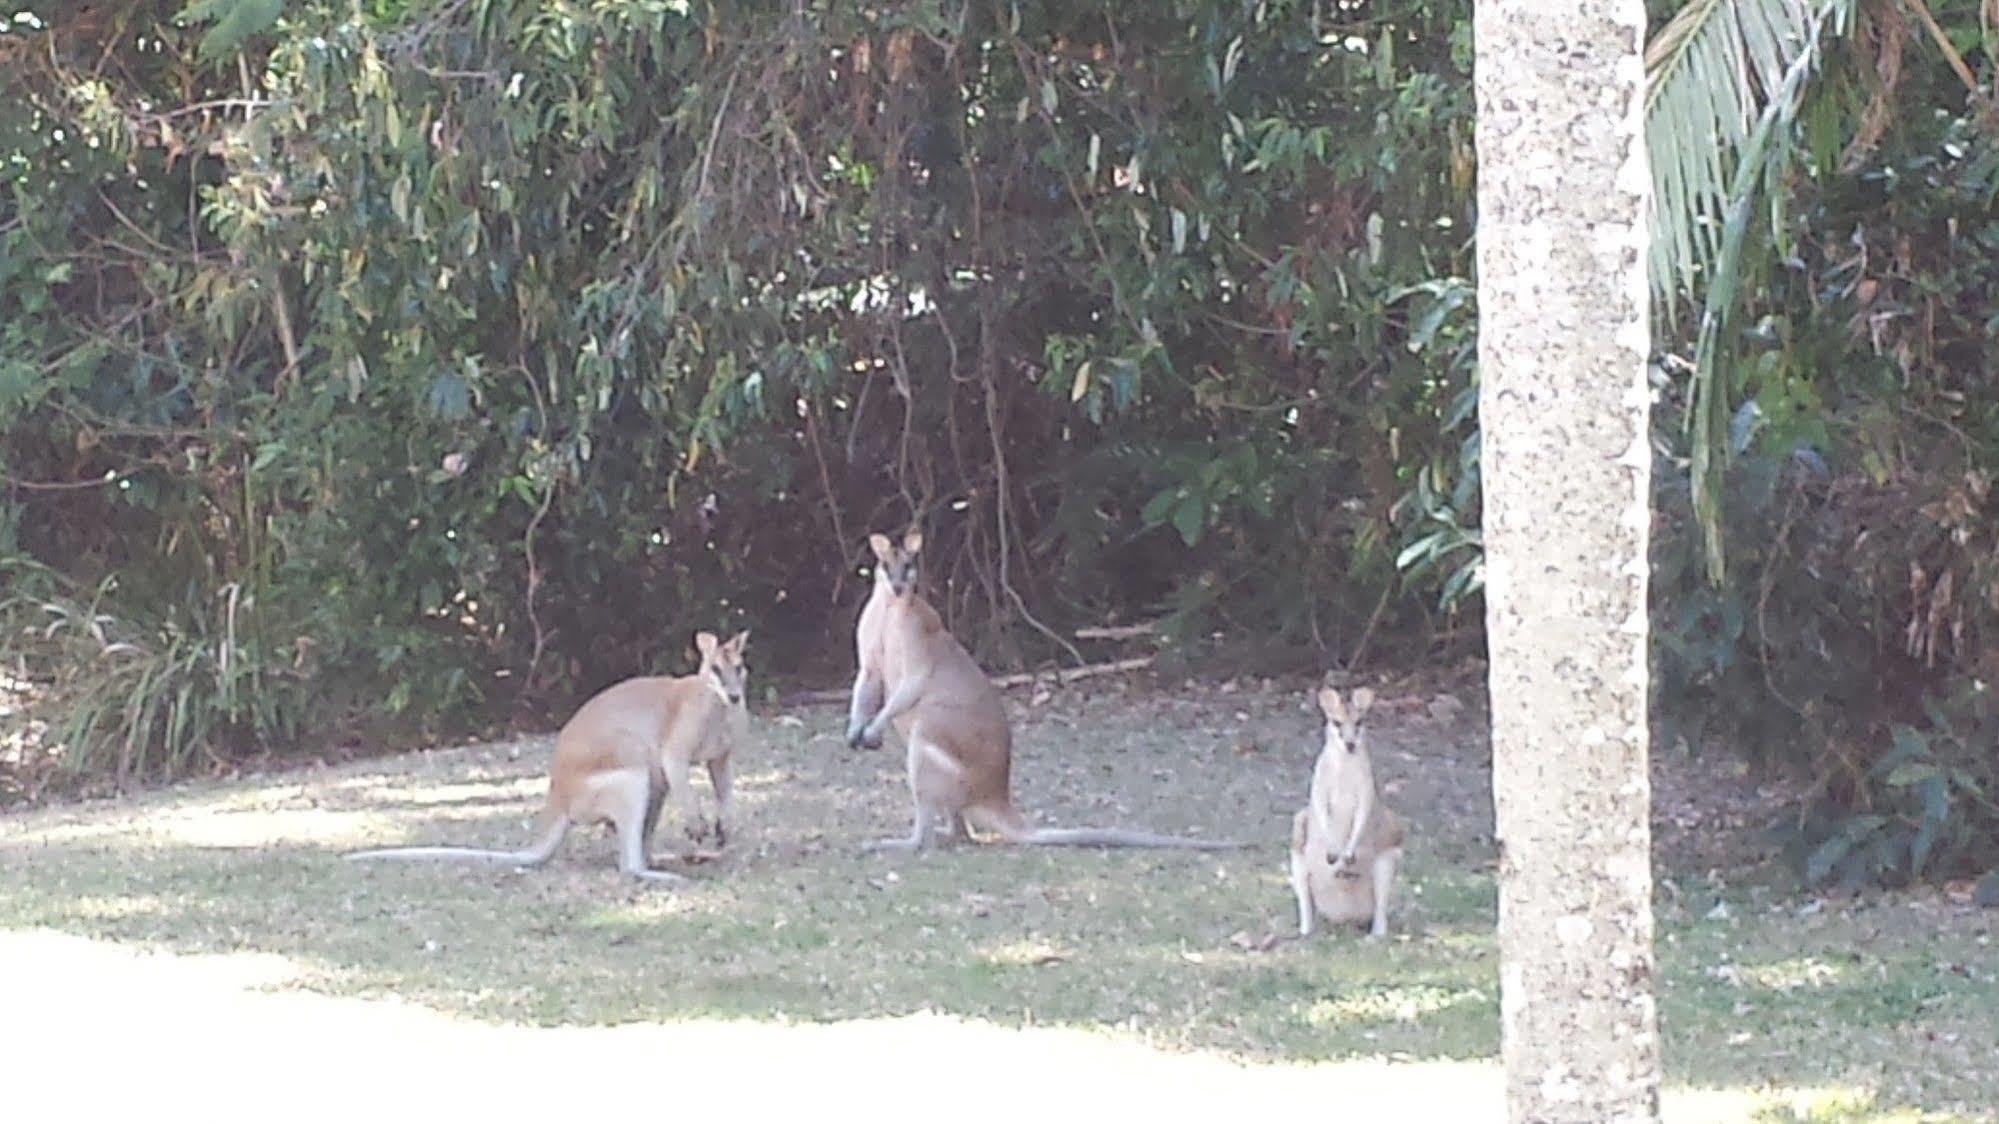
{"x": 1563, "y": 401}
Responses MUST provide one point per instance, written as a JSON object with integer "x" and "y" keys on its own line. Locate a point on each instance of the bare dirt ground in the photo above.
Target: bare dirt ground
{"x": 216, "y": 921}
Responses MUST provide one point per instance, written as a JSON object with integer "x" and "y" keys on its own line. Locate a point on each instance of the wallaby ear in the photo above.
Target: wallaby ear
{"x": 738, "y": 642}
{"x": 1363, "y": 701}
{"x": 912, "y": 540}
{"x": 705, "y": 643}
{"x": 882, "y": 547}
{"x": 1334, "y": 706}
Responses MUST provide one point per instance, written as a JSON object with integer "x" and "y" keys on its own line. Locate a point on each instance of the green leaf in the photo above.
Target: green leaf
{"x": 21, "y": 386}
{"x": 1420, "y": 550}
{"x": 1903, "y": 776}
{"x": 1829, "y": 853}
{"x": 1924, "y": 843}
{"x": 234, "y": 21}
{"x": 1936, "y": 800}
{"x": 1462, "y": 407}
{"x": 1467, "y": 580}
{"x": 1433, "y": 318}
{"x": 1082, "y": 384}
{"x": 449, "y": 396}
{"x": 1825, "y": 857}
{"x": 1189, "y": 518}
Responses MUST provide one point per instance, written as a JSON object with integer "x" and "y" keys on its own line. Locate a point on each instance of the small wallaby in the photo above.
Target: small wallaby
{"x": 1345, "y": 844}
{"x": 960, "y": 746}
{"x": 624, "y": 752}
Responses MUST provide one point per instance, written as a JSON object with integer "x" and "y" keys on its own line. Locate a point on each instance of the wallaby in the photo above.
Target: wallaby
{"x": 960, "y": 747}
{"x": 625, "y": 751}
{"x": 1345, "y": 845}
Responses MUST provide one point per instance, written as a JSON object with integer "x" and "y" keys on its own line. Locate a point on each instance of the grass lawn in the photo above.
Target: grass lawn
{"x": 209, "y": 939}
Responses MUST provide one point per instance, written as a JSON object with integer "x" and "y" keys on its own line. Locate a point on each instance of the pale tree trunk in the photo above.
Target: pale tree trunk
{"x": 1562, "y": 405}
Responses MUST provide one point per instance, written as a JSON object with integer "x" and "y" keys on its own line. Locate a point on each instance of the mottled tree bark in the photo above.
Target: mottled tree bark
{"x": 1563, "y": 401}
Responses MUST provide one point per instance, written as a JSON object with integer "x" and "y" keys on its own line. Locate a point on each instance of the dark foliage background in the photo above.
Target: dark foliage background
{"x": 384, "y": 371}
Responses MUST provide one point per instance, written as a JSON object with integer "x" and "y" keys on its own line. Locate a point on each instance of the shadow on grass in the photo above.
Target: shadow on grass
{"x": 1089, "y": 941}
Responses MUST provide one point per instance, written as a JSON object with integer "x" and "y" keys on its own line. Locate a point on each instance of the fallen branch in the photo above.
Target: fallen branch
{"x": 1020, "y": 679}
{"x": 814, "y": 697}
{"x": 1071, "y": 674}
{"x": 1116, "y": 631}
{"x": 1951, "y": 56}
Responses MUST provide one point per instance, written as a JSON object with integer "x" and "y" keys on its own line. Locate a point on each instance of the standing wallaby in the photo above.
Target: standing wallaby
{"x": 960, "y": 746}
{"x": 1345, "y": 845}
{"x": 625, "y": 751}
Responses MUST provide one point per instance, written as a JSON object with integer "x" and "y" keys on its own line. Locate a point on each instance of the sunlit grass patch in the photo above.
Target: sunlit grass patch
{"x": 1390, "y": 1003}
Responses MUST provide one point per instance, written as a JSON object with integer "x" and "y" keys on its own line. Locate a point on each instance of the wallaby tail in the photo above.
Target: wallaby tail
{"x": 1115, "y": 837}
{"x": 542, "y": 850}
{"x": 1009, "y": 825}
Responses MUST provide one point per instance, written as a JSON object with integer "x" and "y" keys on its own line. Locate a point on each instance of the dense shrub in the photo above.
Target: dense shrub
{"x": 418, "y": 361}
{"x": 1854, "y": 642}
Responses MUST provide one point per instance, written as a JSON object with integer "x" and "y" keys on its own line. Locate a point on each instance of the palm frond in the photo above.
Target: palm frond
{"x": 1710, "y": 74}
{"x": 1724, "y": 80}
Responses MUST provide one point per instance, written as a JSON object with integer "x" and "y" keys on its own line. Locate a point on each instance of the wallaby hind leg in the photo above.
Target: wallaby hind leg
{"x": 1301, "y": 883}
{"x": 655, "y": 803}
{"x": 723, "y": 777}
{"x": 680, "y": 789}
{"x": 924, "y": 760}
{"x": 954, "y": 829}
{"x": 1384, "y": 868}
{"x": 922, "y": 833}
{"x": 951, "y": 828}
{"x": 1301, "y": 886}
{"x": 629, "y": 820}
